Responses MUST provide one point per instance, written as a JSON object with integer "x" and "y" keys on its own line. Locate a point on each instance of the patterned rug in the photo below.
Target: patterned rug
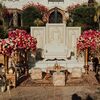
{"x": 30, "y": 82}
{"x": 86, "y": 80}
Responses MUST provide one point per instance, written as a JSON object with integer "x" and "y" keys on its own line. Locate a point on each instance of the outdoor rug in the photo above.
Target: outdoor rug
{"x": 85, "y": 80}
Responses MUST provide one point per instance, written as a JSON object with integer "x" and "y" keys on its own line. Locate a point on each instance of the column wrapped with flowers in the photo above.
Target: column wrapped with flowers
{"x": 88, "y": 40}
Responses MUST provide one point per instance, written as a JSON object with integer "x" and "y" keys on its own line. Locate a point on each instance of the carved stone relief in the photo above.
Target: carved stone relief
{"x": 55, "y": 33}
{"x": 39, "y": 34}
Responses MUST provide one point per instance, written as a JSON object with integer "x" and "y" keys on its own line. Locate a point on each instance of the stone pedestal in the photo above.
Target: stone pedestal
{"x": 36, "y": 73}
{"x": 59, "y": 79}
{"x": 12, "y": 79}
{"x": 76, "y": 72}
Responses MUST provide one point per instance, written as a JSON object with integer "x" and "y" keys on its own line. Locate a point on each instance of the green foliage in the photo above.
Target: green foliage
{"x": 3, "y": 33}
{"x": 1, "y": 22}
{"x": 38, "y": 22}
{"x": 84, "y": 16}
{"x": 26, "y": 28}
{"x": 29, "y": 15}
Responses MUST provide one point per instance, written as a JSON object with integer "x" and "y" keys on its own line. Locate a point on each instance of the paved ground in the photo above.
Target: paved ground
{"x": 79, "y": 92}
{"x": 52, "y": 93}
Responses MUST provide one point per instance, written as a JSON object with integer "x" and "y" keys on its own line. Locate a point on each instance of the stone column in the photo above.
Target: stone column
{"x": 21, "y": 20}
{"x": 65, "y": 17}
{"x": 15, "y": 19}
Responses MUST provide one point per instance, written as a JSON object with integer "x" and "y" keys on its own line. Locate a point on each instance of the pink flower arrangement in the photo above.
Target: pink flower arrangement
{"x": 17, "y": 39}
{"x": 89, "y": 39}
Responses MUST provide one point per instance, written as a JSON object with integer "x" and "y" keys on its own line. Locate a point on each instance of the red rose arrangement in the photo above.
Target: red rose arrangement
{"x": 17, "y": 39}
{"x": 88, "y": 39}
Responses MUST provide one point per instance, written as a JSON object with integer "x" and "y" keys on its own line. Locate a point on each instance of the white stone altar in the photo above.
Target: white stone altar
{"x": 58, "y": 41}
{"x": 68, "y": 64}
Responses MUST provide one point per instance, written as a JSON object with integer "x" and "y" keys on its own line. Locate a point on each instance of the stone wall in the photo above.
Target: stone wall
{"x": 56, "y": 35}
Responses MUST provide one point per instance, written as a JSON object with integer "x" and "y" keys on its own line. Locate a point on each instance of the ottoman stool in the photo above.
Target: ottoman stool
{"x": 36, "y": 73}
{"x": 76, "y": 72}
{"x": 59, "y": 79}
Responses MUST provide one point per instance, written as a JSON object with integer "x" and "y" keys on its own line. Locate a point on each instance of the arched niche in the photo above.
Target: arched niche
{"x": 56, "y": 15}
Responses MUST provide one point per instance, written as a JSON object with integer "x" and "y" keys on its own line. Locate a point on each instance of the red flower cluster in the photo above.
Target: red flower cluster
{"x": 88, "y": 39}
{"x": 6, "y": 46}
{"x": 17, "y": 39}
{"x": 22, "y": 40}
{"x": 43, "y": 9}
{"x": 72, "y": 7}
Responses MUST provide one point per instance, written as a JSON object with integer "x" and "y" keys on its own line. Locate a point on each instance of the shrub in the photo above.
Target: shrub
{"x": 84, "y": 16}
{"x": 3, "y": 33}
{"x": 31, "y": 12}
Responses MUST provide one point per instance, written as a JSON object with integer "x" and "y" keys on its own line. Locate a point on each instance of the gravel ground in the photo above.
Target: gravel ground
{"x": 52, "y": 93}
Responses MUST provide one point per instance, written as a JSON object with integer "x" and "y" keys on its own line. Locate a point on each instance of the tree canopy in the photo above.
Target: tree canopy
{"x": 83, "y": 16}
{"x": 31, "y": 12}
